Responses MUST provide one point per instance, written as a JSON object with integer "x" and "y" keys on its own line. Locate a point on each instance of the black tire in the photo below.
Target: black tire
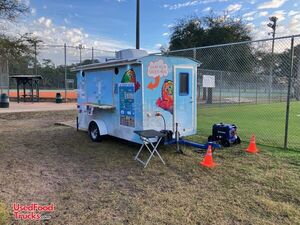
{"x": 225, "y": 143}
{"x": 94, "y": 132}
{"x": 210, "y": 138}
{"x": 238, "y": 140}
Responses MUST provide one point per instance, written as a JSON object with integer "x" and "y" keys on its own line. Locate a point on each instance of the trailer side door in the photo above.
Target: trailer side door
{"x": 184, "y": 94}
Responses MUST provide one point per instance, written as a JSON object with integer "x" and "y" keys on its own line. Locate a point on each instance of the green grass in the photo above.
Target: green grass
{"x": 100, "y": 183}
{"x": 3, "y": 214}
{"x": 266, "y": 121}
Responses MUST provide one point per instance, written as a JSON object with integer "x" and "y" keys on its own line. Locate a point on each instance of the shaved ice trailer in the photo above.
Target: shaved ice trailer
{"x": 128, "y": 93}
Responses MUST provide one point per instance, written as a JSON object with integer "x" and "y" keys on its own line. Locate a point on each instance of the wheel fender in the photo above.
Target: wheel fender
{"x": 102, "y": 127}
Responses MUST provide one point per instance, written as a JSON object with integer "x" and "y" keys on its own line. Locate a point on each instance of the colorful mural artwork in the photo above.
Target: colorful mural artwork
{"x": 166, "y": 101}
{"x": 156, "y": 69}
{"x": 127, "y": 112}
{"x": 155, "y": 84}
{"x": 130, "y": 77}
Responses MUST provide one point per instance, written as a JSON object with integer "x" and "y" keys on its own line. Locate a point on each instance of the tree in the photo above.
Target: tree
{"x": 215, "y": 30}
{"x": 89, "y": 61}
{"x": 211, "y": 30}
{"x": 53, "y": 76}
{"x": 20, "y": 47}
{"x": 187, "y": 33}
{"x": 11, "y": 9}
{"x": 225, "y": 29}
{"x": 12, "y": 47}
{"x": 282, "y": 68}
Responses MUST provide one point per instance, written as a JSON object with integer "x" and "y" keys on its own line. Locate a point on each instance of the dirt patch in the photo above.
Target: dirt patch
{"x": 100, "y": 183}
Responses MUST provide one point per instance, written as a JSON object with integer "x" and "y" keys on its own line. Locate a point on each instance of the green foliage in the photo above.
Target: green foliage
{"x": 11, "y": 9}
{"x": 214, "y": 30}
{"x": 211, "y": 30}
{"x": 89, "y": 61}
{"x": 282, "y": 68}
{"x": 187, "y": 33}
{"x": 53, "y": 76}
{"x": 279, "y": 64}
{"x": 3, "y": 214}
{"x": 12, "y": 47}
{"x": 224, "y": 29}
{"x": 282, "y": 62}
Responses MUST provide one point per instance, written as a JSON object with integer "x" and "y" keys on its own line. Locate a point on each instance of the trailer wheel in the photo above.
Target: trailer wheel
{"x": 225, "y": 143}
{"x": 238, "y": 140}
{"x": 94, "y": 132}
{"x": 210, "y": 138}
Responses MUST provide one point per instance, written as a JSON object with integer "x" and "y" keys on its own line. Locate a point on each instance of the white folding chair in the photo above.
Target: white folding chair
{"x": 147, "y": 137}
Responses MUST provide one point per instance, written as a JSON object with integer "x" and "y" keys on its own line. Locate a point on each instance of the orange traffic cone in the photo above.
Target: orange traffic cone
{"x": 252, "y": 146}
{"x": 208, "y": 159}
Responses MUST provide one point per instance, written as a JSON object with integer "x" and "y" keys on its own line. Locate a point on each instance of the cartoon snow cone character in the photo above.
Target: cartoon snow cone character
{"x": 129, "y": 77}
{"x": 166, "y": 101}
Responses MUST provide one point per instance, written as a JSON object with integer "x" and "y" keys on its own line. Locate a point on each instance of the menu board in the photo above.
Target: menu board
{"x": 126, "y": 97}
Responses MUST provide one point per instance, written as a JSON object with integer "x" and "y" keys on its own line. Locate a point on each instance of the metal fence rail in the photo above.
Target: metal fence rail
{"x": 256, "y": 88}
{"x": 54, "y": 62}
{"x": 257, "y": 83}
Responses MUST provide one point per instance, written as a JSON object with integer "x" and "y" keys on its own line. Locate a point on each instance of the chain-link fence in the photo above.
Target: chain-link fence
{"x": 4, "y": 77}
{"x": 256, "y": 85}
{"x": 54, "y": 63}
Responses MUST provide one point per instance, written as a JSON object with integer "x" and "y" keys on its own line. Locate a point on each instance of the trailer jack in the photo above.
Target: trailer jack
{"x": 180, "y": 141}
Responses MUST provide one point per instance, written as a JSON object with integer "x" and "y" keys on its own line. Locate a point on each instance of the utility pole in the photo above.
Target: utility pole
{"x": 137, "y": 24}
{"x": 35, "y": 59}
{"x": 34, "y": 41}
{"x": 272, "y": 25}
{"x": 92, "y": 54}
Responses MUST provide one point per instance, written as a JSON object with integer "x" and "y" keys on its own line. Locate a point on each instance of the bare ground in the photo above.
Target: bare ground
{"x": 100, "y": 183}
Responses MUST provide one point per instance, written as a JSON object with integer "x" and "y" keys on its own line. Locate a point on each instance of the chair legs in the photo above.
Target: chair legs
{"x": 151, "y": 148}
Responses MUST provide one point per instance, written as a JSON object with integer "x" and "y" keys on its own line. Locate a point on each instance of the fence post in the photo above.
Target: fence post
{"x": 256, "y": 87}
{"x": 80, "y": 47}
{"x": 92, "y": 54}
{"x": 288, "y": 95}
{"x": 65, "y": 56}
{"x": 221, "y": 85}
{"x": 194, "y": 53}
{"x": 35, "y": 58}
{"x": 271, "y": 71}
{"x": 239, "y": 89}
{"x": 7, "y": 69}
{"x": 198, "y": 83}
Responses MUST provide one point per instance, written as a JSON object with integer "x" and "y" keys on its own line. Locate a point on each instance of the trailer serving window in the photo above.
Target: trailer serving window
{"x": 99, "y": 85}
{"x": 183, "y": 84}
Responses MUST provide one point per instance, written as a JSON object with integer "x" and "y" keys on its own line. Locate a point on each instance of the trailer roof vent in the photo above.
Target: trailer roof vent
{"x": 131, "y": 54}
